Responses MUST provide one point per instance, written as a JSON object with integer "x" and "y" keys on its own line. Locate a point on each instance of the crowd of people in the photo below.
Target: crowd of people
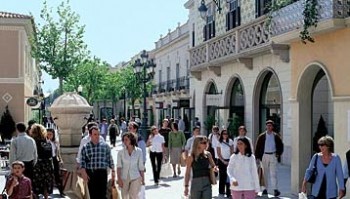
{"x": 242, "y": 168}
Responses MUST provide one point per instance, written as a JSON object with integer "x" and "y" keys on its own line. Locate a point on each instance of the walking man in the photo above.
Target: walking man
{"x": 96, "y": 158}
{"x": 23, "y": 148}
{"x": 104, "y": 128}
{"x": 269, "y": 148}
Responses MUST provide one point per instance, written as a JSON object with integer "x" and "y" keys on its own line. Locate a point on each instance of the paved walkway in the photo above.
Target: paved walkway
{"x": 172, "y": 188}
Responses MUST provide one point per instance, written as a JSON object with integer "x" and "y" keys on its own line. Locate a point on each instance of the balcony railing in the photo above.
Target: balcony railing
{"x": 182, "y": 83}
{"x": 241, "y": 40}
{"x": 291, "y": 17}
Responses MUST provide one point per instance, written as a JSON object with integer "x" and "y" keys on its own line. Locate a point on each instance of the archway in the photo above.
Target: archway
{"x": 210, "y": 106}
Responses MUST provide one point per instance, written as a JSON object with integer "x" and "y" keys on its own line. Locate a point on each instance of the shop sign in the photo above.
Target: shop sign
{"x": 32, "y": 101}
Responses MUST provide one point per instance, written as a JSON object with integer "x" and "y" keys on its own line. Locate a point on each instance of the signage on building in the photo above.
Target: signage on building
{"x": 159, "y": 105}
{"x": 184, "y": 103}
{"x": 32, "y": 101}
{"x": 213, "y": 99}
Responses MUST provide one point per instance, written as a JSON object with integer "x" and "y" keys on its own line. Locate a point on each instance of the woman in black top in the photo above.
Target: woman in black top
{"x": 199, "y": 163}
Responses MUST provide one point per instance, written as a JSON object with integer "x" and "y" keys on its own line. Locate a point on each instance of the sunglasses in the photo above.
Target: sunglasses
{"x": 224, "y": 134}
{"x": 321, "y": 144}
{"x": 203, "y": 142}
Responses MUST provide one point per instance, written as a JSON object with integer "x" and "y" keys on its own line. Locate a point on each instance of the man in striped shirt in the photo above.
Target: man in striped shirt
{"x": 96, "y": 158}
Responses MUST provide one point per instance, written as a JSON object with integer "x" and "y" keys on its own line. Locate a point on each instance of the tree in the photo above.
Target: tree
{"x": 58, "y": 45}
{"x": 91, "y": 74}
{"x": 7, "y": 125}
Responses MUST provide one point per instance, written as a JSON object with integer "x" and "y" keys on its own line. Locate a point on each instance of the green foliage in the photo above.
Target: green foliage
{"x": 209, "y": 122}
{"x": 234, "y": 124}
{"x": 92, "y": 74}
{"x": 58, "y": 44}
{"x": 7, "y": 125}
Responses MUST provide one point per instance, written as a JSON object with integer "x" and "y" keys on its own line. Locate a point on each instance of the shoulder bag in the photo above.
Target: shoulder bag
{"x": 313, "y": 175}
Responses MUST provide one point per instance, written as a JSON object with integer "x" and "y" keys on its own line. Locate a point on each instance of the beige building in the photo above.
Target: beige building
{"x": 19, "y": 74}
{"x": 243, "y": 70}
{"x": 171, "y": 92}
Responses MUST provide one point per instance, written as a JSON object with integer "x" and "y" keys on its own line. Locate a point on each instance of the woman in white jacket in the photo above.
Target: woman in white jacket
{"x": 242, "y": 172}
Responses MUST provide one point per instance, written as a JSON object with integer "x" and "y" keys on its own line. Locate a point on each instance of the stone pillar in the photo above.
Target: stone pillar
{"x": 70, "y": 109}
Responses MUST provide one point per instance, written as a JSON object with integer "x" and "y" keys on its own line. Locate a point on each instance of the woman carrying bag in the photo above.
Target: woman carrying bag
{"x": 329, "y": 172}
{"x": 176, "y": 146}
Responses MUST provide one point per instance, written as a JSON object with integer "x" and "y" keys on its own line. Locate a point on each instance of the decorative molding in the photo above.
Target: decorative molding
{"x": 341, "y": 98}
{"x": 247, "y": 62}
{"x": 12, "y": 80}
{"x": 281, "y": 50}
{"x": 197, "y": 75}
{"x": 216, "y": 70}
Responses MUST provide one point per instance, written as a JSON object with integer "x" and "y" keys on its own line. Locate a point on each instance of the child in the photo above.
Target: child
{"x": 18, "y": 186}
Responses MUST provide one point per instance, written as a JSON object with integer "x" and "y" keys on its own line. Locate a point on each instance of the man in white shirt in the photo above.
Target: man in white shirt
{"x": 214, "y": 141}
{"x": 181, "y": 124}
{"x": 189, "y": 143}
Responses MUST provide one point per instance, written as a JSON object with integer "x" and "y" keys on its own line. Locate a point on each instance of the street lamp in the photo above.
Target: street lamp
{"x": 144, "y": 71}
{"x": 203, "y": 8}
{"x": 80, "y": 89}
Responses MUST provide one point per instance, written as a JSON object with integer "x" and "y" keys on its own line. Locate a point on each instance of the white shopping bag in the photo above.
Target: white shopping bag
{"x": 302, "y": 195}
{"x": 166, "y": 170}
{"x": 142, "y": 194}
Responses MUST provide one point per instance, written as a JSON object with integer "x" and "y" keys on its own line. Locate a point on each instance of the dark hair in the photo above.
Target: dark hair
{"x": 21, "y": 127}
{"x": 175, "y": 126}
{"x": 91, "y": 124}
{"x": 221, "y": 139}
{"x": 131, "y": 137}
{"x": 215, "y": 128}
{"x": 196, "y": 127}
{"x": 53, "y": 133}
{"x": 93, "y": 128}
{"x": 248, "y": 150}
{"x": 134, "y": 125}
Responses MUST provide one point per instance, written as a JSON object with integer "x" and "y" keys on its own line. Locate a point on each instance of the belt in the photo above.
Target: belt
{"x": 269, "y": 153}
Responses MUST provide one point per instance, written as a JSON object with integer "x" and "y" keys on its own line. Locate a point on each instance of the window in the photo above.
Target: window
{"x": 233, "y": 17}
{"x": 262, "y": 7}
{"x": 193, "y": 36}
{"x": 177, "y": 75}
{"x": 209, "y": 28}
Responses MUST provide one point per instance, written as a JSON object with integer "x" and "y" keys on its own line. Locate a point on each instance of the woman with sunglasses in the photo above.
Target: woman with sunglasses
{"x": 329, "y": 172}
{"x": 199, "y": 163}
{"x": 224, "y": 150}
{"x": 242, "y": 172}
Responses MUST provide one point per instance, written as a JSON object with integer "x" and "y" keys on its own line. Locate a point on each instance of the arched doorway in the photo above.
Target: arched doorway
{"x": 270, "y": 101}
{"x": 210, "y": 106}
{"x": 236, "y": 102}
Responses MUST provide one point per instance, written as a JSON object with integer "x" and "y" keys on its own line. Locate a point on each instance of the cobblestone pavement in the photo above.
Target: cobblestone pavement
{"x": 172, "y": 188}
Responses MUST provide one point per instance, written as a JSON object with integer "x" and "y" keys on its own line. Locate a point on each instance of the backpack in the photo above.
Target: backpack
{"x": 46, "y": 150}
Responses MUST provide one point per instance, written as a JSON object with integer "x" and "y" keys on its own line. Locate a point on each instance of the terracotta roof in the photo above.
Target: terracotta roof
{"x": 9, "y": 15}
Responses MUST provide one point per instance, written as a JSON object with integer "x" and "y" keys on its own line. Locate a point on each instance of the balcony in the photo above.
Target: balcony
{"x": 241, "y": 42}
{"x": 171, "y": 86}
{"x": 288, "y": 21}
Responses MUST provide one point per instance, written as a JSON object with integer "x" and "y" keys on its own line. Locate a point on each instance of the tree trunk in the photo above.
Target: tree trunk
{"x": 60, "y": 81}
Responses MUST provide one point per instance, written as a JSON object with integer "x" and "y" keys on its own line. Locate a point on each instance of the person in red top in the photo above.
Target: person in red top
{"x": 18, "y": 186}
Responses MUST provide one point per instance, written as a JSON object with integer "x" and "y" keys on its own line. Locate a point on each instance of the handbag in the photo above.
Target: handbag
{"x": 142, "y": 193}
{"x": 183, "y": 160}
{"x": 165, "y": 170}
{"x": 212, "y": 177}
{"x": 114, "y": 192}
{"x": 313, "y": 175}
{"x": 302, "y": 195}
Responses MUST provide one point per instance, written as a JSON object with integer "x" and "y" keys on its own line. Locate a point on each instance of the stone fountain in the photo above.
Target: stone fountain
{"x": 70, "y": 111}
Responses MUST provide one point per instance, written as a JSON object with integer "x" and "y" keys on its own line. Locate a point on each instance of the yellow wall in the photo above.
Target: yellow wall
{"x": 331, "y": 50}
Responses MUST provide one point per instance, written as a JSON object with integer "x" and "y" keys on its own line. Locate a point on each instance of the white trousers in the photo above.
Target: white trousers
{"x": 269, "y": 163}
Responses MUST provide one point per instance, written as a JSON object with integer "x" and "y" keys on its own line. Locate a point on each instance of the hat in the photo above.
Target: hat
{"x": 269, "y": 122}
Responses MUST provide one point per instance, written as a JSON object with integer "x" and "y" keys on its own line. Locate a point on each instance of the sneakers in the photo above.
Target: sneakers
{"x": 276, "y": 192}
{"x": 264, "y": 192}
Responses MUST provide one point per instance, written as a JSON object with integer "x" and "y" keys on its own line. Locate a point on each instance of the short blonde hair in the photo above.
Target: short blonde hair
{"x": 38, "y": 132}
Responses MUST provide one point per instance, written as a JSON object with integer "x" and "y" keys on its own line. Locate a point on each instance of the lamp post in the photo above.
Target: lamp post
{"x": 144, "y": 70}
{"x": 203, "y": 8}
{"x": 80, "y": 89}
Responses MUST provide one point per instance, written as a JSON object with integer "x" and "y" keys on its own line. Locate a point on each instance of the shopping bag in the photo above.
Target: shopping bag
{"x": 261, "y": 176}
{"x": 212, "y": 176}
{"x": 142, "y": 193}
{"x": 183, "y": 160}
{"x": 115, "y": 193}
{"x": 302, "y": 195}
{"x": 166, "y": 170}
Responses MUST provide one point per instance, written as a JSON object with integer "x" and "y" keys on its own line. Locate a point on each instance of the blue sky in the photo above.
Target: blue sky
{"x": 115, "y": 29}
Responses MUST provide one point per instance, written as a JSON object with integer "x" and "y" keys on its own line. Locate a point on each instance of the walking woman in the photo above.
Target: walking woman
{"x": 130, "y": 168}
{"x": 177, "y": 141}
{"x": 329, "y": 172}
{"x": 56, "y": 158}
{"x": 224, "y": 150}
{"x": 156, "y": 143}
{"x": 242, "y": 171}
{"x": 43, "y": 170}
{"x": 199, "y": 163}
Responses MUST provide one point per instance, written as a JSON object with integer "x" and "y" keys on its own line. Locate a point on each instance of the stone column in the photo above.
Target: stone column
{"x": 70, "y": 109}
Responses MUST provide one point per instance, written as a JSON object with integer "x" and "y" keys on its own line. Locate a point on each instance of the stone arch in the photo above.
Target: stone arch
{"x": 209, "y": 110}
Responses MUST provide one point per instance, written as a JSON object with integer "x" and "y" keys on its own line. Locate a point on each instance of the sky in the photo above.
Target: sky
{"x": 115, "y": 29}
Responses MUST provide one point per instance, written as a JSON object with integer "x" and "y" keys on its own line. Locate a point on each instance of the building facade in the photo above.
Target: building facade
{"x": 20, "y": 75}
{"x": 247, "y": 69}
{"x": 171, "y": 91}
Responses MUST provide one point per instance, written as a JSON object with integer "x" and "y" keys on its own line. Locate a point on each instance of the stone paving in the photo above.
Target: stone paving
{"x": 172, "y": 188}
